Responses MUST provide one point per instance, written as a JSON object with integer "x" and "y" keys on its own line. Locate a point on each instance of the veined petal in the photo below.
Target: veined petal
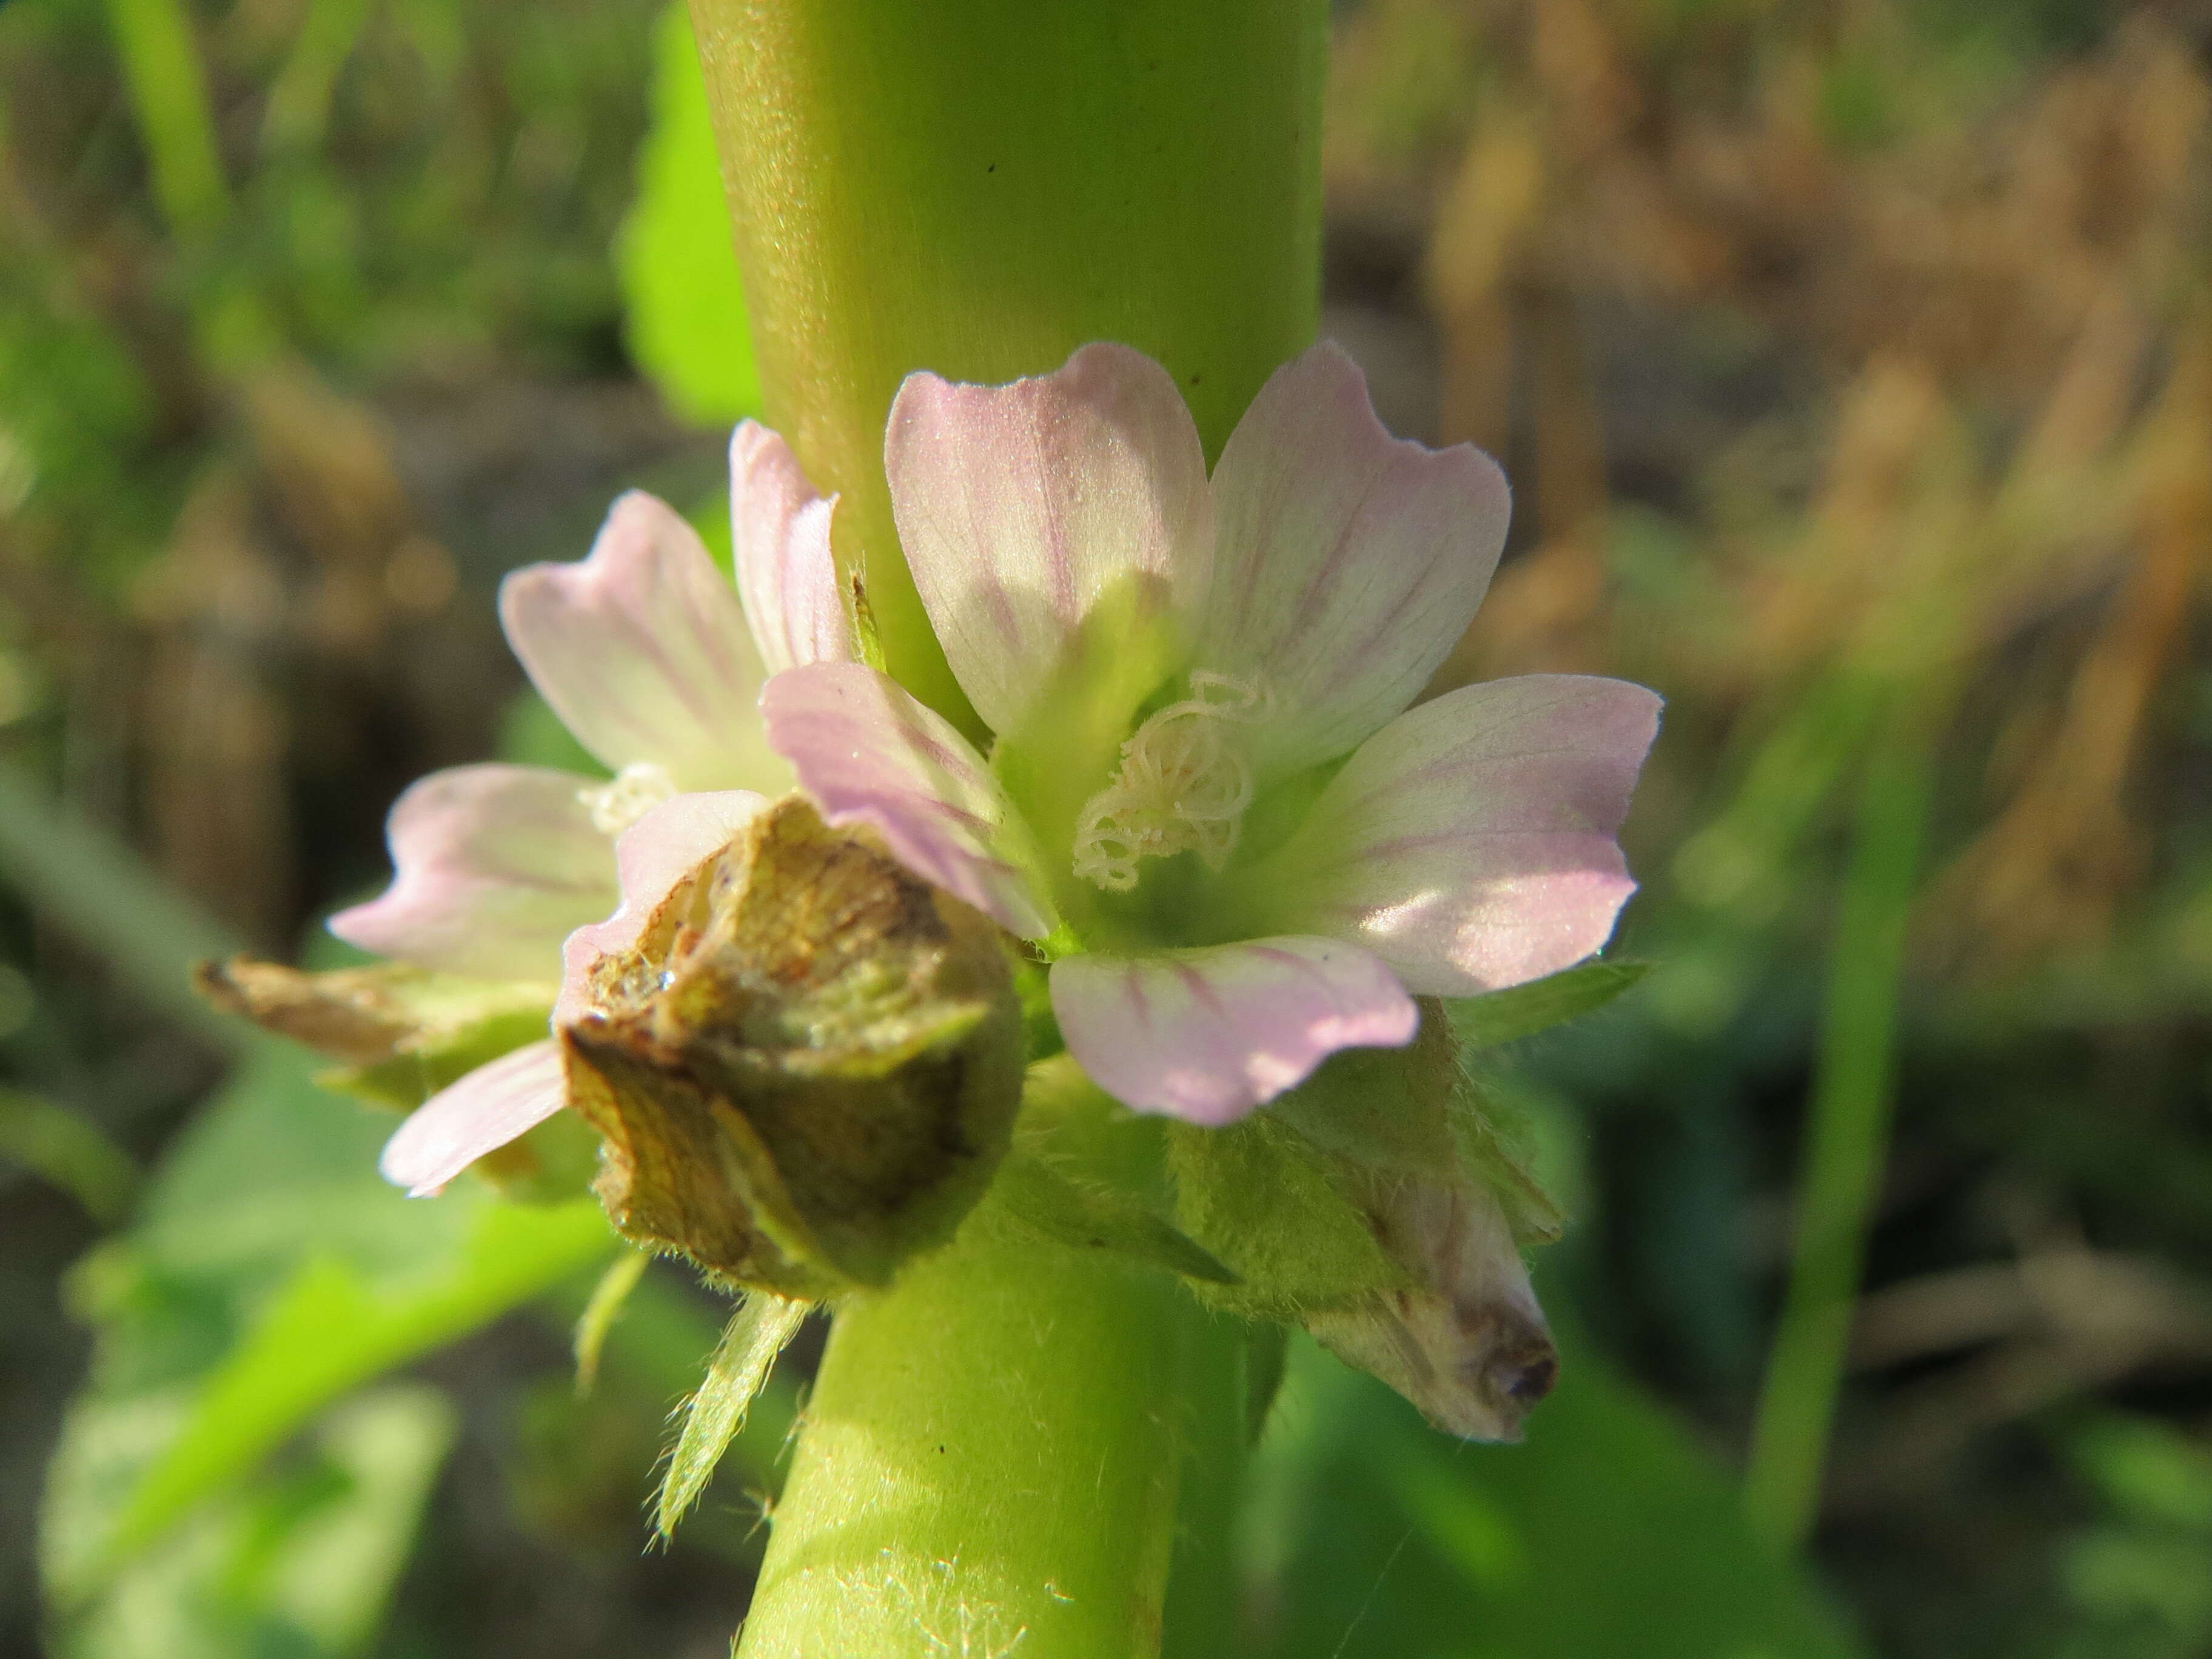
{"x": 1347, "y": 562}
{"x": 651, "y": 857}
{"x": 1469, "y": 843}
{"x": 492, "y": 866}
{"x": 1207, "y": 1035}
{"x": 1028, "y": 511}
{"x": 479, "y": 1113}
{"x": 642, "y": 650}
{"x": 780, "y": 529}
{"x": 869, "y": 753}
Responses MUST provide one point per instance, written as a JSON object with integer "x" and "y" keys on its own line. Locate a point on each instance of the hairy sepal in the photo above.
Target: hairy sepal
{"x": 1522, "y": 1010}
{"x": 1383, "y": 1205}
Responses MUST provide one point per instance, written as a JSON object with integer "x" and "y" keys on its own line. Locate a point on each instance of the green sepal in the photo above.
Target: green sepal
{"x": 758, "y": 1331}
{"x": 402, "y": 1033}
{"x": 1093, "y": 1217}
{"x": 1383, "y": 1109}
{"x": 1521, "y": 1010}
{"x": 1420, "y": 1110}
{"x": 1494, "y": 1143}
{"x": 1261, "y": 1197}
{"x": 1287, "y": 1198}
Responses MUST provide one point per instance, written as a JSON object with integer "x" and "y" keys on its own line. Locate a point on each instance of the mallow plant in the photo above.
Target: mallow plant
{"x": 1033, "y": 894}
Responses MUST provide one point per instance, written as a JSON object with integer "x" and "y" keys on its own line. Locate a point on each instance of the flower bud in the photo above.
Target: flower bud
{"x": 806, "y": 1068}
{"x": 1465, "y": 1341}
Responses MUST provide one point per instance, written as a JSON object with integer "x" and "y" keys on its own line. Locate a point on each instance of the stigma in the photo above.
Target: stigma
{"x": 634, "y": 792}
{"x": 1182, "y": 786}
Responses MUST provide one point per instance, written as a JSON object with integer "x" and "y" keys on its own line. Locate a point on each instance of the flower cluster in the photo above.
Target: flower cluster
{"x": 1209, "y": 799}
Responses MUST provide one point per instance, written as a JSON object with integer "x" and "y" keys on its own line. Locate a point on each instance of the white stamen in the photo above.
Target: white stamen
{"x": 635, "y": 790}
{"x": 1180, "y": 788}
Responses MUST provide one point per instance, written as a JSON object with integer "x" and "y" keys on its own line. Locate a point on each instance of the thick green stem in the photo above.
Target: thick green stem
{"x": 995, "y": 1449}
{"x": 979, "y": 187}
{"x": 1847, "y": 1135}
{"x": 990, "y": 1462}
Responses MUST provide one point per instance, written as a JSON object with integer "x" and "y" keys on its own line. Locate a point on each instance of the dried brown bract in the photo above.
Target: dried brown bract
{"x": 807, "y": 1069}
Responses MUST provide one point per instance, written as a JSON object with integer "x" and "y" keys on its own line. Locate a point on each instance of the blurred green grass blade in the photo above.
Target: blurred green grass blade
{"x": 609, "y": 1297}
{"x": 99, "y": 892}
{"x": 68, "y": 1149}
{"x": 1521, "y": 1010}
{"x": 757, "y": 1332}
{"x": 169, "y": 99}
{"x": 1847, "y": 1130}
{"x": 326, "y": 1332}
{"x": 299, "y": 106}
{"x": 685, "y": 303}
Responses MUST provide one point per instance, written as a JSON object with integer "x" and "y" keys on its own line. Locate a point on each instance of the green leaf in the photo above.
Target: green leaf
{"x": 687, "y": 326}
{"x": 331, "y": 1568}
{"x": 302, "y": 1561}
{"x": 756, "y": 1334}
{"x": 1085, "y": 1217}
{"x": 1495, "y": 1143}
{"x": 1505, "y": 1016}
{"x": 327, "y": 1331}
{"x": 1609, "y": 1531}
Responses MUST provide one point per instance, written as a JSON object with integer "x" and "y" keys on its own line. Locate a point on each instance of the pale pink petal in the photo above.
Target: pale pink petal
{"x": 1347, "y": 562}
{"x": 480, "y": 1113}
{"x": 1469, "y": 843}
{"x": 1031, "y": 510}
{"x": 651, "y": 857}
{"x": 780, "y": 529}
{"x": 868, "y": 753}
{"x": 1207, "y": 1035}
{"x": 492, "y": 865}
{"x": 642, "y": 650}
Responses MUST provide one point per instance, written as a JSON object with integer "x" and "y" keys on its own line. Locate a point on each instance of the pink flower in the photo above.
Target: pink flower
{"x": 1207, "y": 797}
{"x": 655, "y": 664}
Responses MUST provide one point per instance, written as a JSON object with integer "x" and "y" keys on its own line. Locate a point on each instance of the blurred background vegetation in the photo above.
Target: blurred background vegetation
{"x": 1853, "y": 362}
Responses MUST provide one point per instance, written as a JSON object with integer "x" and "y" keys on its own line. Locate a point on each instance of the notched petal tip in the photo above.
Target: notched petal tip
{"x": 643, "y": 648}
{"x": 492, "y": 866}
{"x": 1027, "y": 510}
{"x": 1347, "y": 562}
{"x": 787, "y": 572}
{"x": 1471, "y": 842}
